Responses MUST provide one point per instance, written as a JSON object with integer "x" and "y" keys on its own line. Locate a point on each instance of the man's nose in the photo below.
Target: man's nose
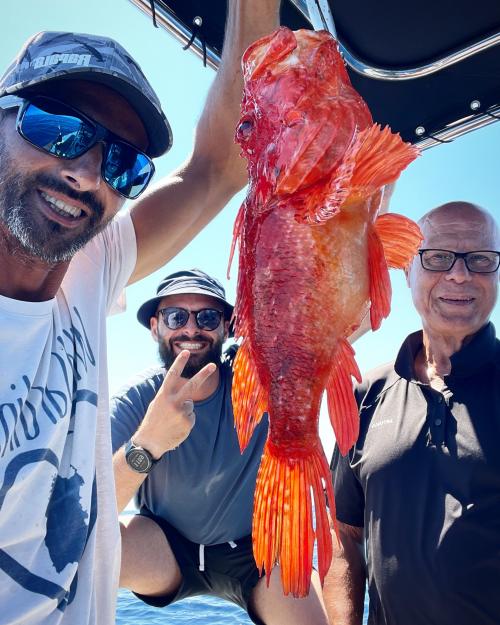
{"x": 191, "y": 326}
{"x": 84, "y": 172}
{"x": 459, "y": 272}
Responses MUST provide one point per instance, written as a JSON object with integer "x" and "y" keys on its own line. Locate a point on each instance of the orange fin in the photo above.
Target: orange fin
{"x": 290, "y": 491}
{"x": 342, "y": 406}
{"x": 380, "y": 284}
{"x": 248, "y": 396}
{"x": 237, "y": 233}
{"x": 381, "y": 157}
{"x": 400, "y": 237}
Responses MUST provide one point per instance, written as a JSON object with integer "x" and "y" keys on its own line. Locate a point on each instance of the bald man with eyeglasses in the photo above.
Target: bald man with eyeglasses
{"x": 418, "y": 504}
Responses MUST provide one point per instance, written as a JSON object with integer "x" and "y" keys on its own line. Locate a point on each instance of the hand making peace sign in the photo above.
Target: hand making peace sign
{"x": 170, "y": 416}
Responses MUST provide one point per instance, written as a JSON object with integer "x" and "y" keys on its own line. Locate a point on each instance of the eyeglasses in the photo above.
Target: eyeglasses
{"x": 480, "y": 261}
{"x": 64, "y": 132}
{"x": 175, "y": 318}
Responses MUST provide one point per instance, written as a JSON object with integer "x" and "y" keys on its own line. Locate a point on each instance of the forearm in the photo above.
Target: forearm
{"x": 127, "y": 481}
{"x": 344, "y": 587}
{"x": 214, "y": 139}
{"x": 172, "y": 213}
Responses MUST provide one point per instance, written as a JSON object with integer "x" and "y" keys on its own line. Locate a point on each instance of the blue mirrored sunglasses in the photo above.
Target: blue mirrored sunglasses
{"x": 62, "y": 131}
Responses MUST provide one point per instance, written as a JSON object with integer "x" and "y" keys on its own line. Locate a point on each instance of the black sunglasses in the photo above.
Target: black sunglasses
{"x": 62, "y": 131}
{"x": 175, "y": 317}
{"x": 480, "y": 261}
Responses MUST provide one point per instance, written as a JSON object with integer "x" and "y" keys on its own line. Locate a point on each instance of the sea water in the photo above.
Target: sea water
{"x": 197, "y": 611}
{"x": 202, "y": 610}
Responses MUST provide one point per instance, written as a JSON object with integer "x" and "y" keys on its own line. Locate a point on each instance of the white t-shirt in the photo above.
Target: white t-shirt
{"x": 59, "y": 534}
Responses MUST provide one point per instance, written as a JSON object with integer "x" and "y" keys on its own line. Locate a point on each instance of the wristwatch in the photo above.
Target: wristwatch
{"x": 138, "y": 458}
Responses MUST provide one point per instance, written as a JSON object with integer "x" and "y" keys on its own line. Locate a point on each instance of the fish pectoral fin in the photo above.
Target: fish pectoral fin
{"x": 248, "y": 395}
{"x": 381, "y": 157}
{"x": 342, "y": 406}
{"x": 380, "y": 283}
{"x": 322, "y": 203}
{"x": 400, "y": 237}
{"x": 289, "y": 495}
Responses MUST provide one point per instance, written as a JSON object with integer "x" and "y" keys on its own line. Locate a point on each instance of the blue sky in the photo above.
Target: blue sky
{"x": 466, "y": 169}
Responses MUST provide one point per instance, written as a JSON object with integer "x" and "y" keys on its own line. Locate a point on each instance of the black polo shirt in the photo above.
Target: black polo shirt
{"x": 424, "y": 481}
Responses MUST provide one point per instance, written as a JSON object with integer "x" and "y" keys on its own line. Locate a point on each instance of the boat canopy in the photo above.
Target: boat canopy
{"x": 430, "y": 69}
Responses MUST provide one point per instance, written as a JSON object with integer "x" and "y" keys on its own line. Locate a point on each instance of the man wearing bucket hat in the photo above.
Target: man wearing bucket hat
{"x": 177, "y": 451}
{"x": 79, "y": 125}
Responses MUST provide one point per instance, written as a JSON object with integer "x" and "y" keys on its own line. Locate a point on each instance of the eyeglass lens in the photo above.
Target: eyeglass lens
{"x": 477, "y": 261}
{"x": 60, "y": 131}
{"x": 206, "y": 318}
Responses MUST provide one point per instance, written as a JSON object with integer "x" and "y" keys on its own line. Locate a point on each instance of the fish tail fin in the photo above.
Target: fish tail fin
{"x": 380, "y": 283}
{"x": 342, "y": 406}
{"x": 381, "y": 157}
{"x": 248, "y": 396}
{"x": 289, "y": 497}
{"x": 400, "y": 237}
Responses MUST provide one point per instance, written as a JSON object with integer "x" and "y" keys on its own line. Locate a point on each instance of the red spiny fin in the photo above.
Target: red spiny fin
{"x": 380, "y": 159}
{"x": 283, "y": 532}
{"x": 342, "y": 406}
{"x": 400, "y": 237}
{"x": 237, "y": 228}
{"x": 380, "y": 284}
{"x": 248, "y": 396}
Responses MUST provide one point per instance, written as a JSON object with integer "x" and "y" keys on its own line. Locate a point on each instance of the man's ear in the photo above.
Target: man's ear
{"x": 226, "y": 329}
{"x": 153, "y": 327}
{"x": 407, "y": 271}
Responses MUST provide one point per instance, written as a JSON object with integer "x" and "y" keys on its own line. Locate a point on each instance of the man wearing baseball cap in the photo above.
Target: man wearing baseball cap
{"x": 177, "y": 450}
{"x": 79, "y": 125}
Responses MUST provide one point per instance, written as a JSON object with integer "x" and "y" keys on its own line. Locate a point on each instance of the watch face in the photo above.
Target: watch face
{"x": 139, "y": 460}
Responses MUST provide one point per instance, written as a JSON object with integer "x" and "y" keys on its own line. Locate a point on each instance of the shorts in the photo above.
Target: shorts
{"x": 227, "y": 570}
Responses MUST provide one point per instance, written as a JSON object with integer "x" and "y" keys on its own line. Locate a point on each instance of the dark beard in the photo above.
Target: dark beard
{"x": 47, "y": 240}
{"x": 193, "y": 365}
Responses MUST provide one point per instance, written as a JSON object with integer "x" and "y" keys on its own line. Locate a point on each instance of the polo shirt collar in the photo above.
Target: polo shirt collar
{"x": 477, "y": 353}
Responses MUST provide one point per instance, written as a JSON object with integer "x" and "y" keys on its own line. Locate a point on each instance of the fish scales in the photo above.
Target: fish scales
{"x": 313, "y": 258}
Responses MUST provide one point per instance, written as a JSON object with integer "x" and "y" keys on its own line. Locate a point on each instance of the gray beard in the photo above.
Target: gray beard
{"x": 50, "y": 242}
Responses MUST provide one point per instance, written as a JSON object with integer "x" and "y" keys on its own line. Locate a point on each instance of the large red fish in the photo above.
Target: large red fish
{"x": 313, "y": 261}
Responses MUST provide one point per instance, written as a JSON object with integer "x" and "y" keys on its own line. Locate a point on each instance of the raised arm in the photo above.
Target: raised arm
{"x": 344, "y": 588}
{"x": 180, "y": 205}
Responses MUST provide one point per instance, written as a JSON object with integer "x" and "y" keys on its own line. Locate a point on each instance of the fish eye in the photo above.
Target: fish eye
{"x": 245, "y": 128}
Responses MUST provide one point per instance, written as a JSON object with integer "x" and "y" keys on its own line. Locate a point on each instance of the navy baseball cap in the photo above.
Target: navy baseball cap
{"x": 64, "y": 56}
{"x": 192, "y": 281}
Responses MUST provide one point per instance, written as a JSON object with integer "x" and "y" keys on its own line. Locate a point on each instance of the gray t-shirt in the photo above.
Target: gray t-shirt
{"x": 205, "y": 487}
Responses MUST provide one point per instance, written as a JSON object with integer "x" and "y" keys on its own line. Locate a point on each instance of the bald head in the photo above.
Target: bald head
{"x": 457, "y": 302}
{"x": 460, "y": 218}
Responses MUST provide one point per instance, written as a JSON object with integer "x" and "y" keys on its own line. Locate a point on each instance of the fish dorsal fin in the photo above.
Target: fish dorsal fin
{"x": 381, "y": 156}
{"x": 400, "y": 238}
{"x": 374, "y": 159}
{"x": 342, "y": 406}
